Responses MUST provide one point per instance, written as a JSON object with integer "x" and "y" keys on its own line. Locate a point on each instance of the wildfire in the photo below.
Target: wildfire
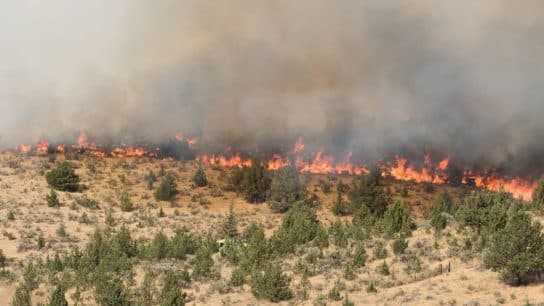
{"x": 319, "y": 163}
{"x": 402, "y": 170}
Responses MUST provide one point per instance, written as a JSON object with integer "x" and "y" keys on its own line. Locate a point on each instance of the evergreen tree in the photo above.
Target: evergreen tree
{"x": 367, "y": 191}
{"x": 167, "y": 189}
{"x": 21, "y": 296}
{"x": 112, "y": 292}
{"x": 271, "y": 284}
{"x": 538, "y": 195}
{"x": 150, "y": 179}
{"x": 171, "y": 294}
{"x": 229, "y": 225}
{"x": 125, "y": 202}
{"x": 285, "y": 189}
{"x": 253, "y": 182}
{"x": 52, "y": 199}
{"x": 396, "y": 219}
{"x": 57, "y": 297}
{"x": 63, "y": 177}
{"x": 199, "y": 178}
{"x": 517, "y": 250}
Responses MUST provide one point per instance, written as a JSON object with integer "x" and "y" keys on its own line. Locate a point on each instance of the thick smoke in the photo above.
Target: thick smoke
{"x": 376, "y": 77}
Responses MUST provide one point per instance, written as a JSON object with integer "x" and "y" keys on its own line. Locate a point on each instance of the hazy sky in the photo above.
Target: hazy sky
{"x": 372, "y": 76}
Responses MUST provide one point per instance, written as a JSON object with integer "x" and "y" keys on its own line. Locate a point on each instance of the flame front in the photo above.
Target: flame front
{"x": 319, "y": 163}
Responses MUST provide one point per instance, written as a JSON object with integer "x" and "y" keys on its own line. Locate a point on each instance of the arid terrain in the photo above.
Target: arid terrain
{"x": 31, "y": 230}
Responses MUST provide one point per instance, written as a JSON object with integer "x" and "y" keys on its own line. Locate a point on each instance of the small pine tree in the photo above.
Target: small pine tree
{"x": 359, "y": 256}
{"x": 339, "y": 207}
{"x": 272, "y": 285}
{"x": 160, "y": 246}
{"x": 229, "y": 225}
{"x": 21, "y": 296}
{"x": 397, "y": 220}
{"x": 125, "y": 202}
{"x": 167, "y": 189}
{"x": 171, "y": 294}
{"x": 52, "y": 199}
{"x": 517, "y": 250}
{"x": 112, "y": 292}
{"x": 204, "y": 262}
{"x": 399, "y": 245}
{"x": 63, "y": 177}
{"x": 285, "y": 190}
{"x": 150, "y": 179}
{"x": 57, "y": 297}
{"x": 199, "y": 178}
{"x": 438, "y": 219}
{"x": 3, "y": 259}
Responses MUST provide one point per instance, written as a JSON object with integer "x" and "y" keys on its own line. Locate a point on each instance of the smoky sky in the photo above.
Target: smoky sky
{"x": 458, "y": 77}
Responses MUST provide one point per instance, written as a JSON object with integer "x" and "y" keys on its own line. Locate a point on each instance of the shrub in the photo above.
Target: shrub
{"x": 538, "y": 195}
{"x": 3, "y": 259}
{"x": 229, "y": 224}
{"x": 57, "y": 297}
{"x": 399, "y": 245}
{"x": 63, "y": 177}
{"x": 150, "y": 179}
{"x": 517, "y": 250}
{"x": 112, "y": 292}
{"x": 339, "y": 207}
{"x": 52, "y": 199}
{"x": 301, "y": 223}
{"x": 204, "y": 266}
{"x": 160, "y": 246}
{"x": 21, "y": 296}
{"x": 367, "y": 191}
{"x": 171, "y": 294}
{"x": 125, "y": 202}
{"x": 167, "y": 189}
{"x": 484, "y": 211}
{"x": 271, "y": 284}
{"x": 379, "y": 250}
{"x": 397, "y": 220}
{"x": 199, "y": 178}
{"x": 438, "y": 219}
{"x": 285, "y": 189}
{"x": 182, "y": 244}
{"x": 253, "y": 182}
{"x": 359, "y": 256}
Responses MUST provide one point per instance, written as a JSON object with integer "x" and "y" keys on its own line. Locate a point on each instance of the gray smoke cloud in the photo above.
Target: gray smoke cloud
{"x": 457, "y": 77}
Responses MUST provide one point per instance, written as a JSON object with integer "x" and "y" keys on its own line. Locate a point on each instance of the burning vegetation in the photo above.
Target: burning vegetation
{"x": 441, "y": 171}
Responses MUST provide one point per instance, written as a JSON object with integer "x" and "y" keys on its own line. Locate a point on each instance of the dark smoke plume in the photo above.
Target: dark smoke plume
{"x": 377, "y": 77}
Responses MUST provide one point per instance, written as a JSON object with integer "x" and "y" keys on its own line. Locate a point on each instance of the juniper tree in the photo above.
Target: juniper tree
{"x": 517, "y": 250}
{"x": 229, "y": 224}
{"x": 199, "y": 178}
{"x": 396, "y": 219}
{"x": 125, "y": 202}
{"x": 57, "y": 297}
{"x": 63, "y": 177}
{"x": 285, "y": 189}
{"x": 52, "y": 199}
{"x": 167, "y": 189}
{"x": 171, "y": 294}
{"x": 271, "y": 284}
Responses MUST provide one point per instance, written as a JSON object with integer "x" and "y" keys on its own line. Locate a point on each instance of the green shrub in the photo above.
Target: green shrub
{"x": 3, "y": 259}
{"x": 52, "y": 199}
{"x": 340, "y": 207}
{"x": 396, "y": 219}
{"x": 399, "y": 245}
{"x": 359, "y": 256}
{"x": 229, "y": 226}
{"x": 379, "y": 250}
{"x": 301, "y": 223}
{"x": 125, "y": 202}
{"x": 57, "y": 297}
{"x": 182, "y": 244}
{"x": 171, "y": 294}
{"x": 167, "y": 189}
{"x": 285, "y": 190}
{"x": 21, "y": 296}
{"x": 204, "y": 265}
{"x": 517, "y": 250}
{"x": 367, "y": 191}
{"x": 271, "y": 284}
{"x": 112, "y": 292}
{"x": 63, "y": 177}
{"x": 253, "y": 182}
{"x": 160, "y": 246}
{"x": 199, "y": 178}
{"x": 484, "y": 211}
{"x": 150, "y": 179}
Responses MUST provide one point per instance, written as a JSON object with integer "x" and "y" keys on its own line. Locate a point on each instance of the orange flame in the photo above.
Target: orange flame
{"x": 299, "y": 146}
